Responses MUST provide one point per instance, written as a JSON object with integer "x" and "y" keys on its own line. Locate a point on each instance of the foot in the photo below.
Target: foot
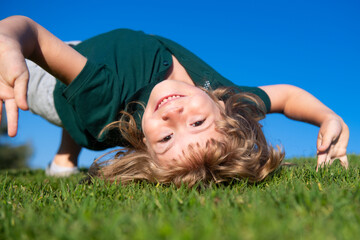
{"x": 65, "y": 161}
{"x": 59, "y": 171}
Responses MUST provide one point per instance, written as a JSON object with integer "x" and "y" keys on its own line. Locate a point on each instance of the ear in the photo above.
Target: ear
{"x": 144, "y": 140}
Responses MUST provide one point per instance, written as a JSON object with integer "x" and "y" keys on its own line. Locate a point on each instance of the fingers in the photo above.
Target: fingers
{"x": 324, "y": 158}
{"x": 324, "y": 142}
{"x": 332, "y": 142}
{"x": 329, "y": 133}
{"x": 14, "y": 98}
{"x": 321, "y": 161}
{"x": 20, "y": 90}
{"x": 323, "y": 150}
{"x": 333, "y": 152}
{"x": 327, "y": 158}
{"x": 344, "y": 162}
{"x": 12, "y": 114}
{"x": 14, "y": 73}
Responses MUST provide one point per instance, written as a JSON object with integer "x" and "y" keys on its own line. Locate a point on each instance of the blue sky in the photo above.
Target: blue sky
{"x": 310, "y": 44}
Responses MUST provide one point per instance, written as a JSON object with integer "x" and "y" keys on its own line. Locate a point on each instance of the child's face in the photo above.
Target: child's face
{"x": 178, "y": 114}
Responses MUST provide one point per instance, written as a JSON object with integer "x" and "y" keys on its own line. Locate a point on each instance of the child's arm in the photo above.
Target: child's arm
{"x": 300, "y": 105}
{"x": 20, "y": 38}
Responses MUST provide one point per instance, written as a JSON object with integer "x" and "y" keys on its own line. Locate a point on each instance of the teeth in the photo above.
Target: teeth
{"x": 168, "y": 99}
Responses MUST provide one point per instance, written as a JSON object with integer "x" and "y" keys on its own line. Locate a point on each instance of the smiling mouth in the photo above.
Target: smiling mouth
{"x": 167, "y": 99}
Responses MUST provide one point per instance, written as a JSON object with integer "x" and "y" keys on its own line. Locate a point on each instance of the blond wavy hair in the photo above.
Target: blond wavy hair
{"x": 243, "y": 153}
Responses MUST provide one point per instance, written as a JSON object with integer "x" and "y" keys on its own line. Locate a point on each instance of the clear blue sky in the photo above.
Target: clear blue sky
{"x": 311, "y": 44}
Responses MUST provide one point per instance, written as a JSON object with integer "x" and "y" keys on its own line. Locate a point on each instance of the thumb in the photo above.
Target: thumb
{"x": 324, "y": 142}
{"x": 20, "y": 90}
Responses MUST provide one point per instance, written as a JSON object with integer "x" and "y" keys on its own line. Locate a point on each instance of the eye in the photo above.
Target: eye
{"x": 165, "y": 139}
{"x": 197, "y": 123}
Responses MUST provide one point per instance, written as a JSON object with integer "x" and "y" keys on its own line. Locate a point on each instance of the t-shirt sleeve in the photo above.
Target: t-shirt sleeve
{"x": 221, "y": 81}
{"x": 260, "y": 93}
{"x": 94, "y": 97}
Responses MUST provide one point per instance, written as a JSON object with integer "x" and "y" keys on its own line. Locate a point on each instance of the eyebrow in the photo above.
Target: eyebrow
{"x": 196, "y": 132}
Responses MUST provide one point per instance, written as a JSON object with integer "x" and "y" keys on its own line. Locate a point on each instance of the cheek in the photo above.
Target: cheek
{"x": 145, "y": 120}
{"x": 149, "y": 127}
{"x": 146, "y": 126}
{"x": 202, "y": 102}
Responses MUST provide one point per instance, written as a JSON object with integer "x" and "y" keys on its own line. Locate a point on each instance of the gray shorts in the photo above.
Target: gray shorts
{"x": 40, "y": 93}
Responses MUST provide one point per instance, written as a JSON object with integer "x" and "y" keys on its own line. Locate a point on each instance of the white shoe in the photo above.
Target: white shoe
{"x": 55, "y": 170}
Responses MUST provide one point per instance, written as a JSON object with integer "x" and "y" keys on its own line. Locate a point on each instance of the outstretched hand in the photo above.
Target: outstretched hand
{"x": 20, "y": 38}
{"x": 332, "y": 142}
{"x": 14, "y": 77}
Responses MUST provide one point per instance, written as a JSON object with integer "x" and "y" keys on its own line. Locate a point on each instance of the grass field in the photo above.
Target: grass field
{"x": 294, "y": 203}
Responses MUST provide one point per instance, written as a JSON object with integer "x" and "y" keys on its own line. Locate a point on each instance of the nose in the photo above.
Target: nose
{"x": 172, "y": 113}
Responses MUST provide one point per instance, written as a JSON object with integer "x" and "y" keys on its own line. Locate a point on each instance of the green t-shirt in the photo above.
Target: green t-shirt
{"x": 123, "y": 66}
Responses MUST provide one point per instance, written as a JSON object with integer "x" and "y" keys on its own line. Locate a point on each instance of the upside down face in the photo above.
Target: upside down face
{"x": 178, "y": 114}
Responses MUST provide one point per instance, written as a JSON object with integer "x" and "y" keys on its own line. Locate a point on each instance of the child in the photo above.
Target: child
{"x": 187, "y": 133}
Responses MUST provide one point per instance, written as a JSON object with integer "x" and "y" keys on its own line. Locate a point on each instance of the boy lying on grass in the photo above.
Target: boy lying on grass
{"x": 177, "y": 119}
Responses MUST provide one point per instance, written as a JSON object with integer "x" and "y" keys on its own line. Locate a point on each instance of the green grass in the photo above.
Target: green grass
{"x": 294, "y": 203}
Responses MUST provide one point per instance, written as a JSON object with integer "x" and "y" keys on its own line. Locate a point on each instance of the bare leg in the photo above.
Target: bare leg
{"x": 69, "y": 150}
{"x": 65, "y": 161}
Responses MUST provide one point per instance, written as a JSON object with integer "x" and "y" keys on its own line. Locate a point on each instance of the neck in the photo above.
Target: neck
{"x": 178, "y": 72}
